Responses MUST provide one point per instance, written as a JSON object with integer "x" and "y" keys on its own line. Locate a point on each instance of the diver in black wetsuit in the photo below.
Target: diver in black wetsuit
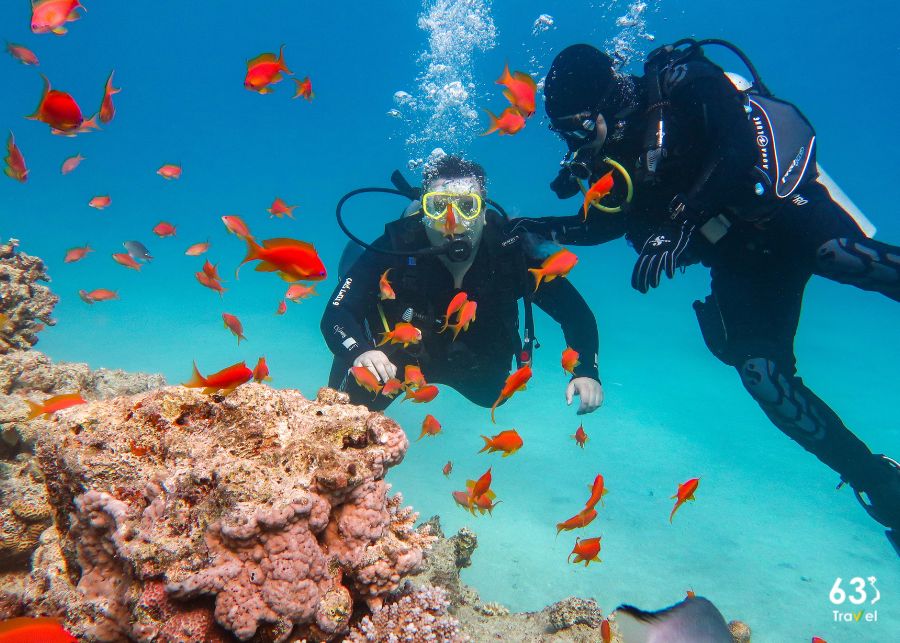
{"x": 710, "y": 186}
{"x": 492, "y": 268}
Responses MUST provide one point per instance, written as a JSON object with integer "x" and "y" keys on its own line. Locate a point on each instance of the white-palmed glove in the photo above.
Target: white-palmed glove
{"x": 378, "y": 363}
{"x": 589, "y": 390}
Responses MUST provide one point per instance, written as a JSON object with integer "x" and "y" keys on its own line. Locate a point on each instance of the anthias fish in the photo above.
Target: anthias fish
{"x": 515, "y": 382}
{"x": 556, "y": 265}
{"x": 685, "y": 492}
{"x": 430, "y": 426}
{"x": 508, "y": 123}
{"x": 570, "y": 360}
{"x": 422, "y": 395}
{"x": 520, "y": 90}
{"x": 15, "y": 161}
{"x": 26, "y": 629}
{"x": 107, "y": 108}
{"x": 597, "y": 191}
{"x": 265, "y": 70}
{"x": 506, "y": 441}
{"x": 234, "y": 324}
{"x": 226, "y": 380}
{"x": 281, "y": 209}
{"x": 49, "y": 16}
{"x": 53, "y": 404}
{"x": 588, "y": 551}
{"x": 292, "y": 259}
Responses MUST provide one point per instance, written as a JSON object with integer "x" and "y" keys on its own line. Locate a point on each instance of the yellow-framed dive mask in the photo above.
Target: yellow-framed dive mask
{"x": 466, "y": 206}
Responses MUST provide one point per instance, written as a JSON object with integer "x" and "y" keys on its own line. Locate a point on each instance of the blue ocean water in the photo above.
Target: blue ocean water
{"x": 768, "y": 535}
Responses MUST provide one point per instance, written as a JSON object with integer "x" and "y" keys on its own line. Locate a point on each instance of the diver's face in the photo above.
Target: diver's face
{"x": 438, "y": 230}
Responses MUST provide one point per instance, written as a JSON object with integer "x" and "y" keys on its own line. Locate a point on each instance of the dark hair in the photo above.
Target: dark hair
{"x": 451, "y": 166}
{"x": 581, "y": 79}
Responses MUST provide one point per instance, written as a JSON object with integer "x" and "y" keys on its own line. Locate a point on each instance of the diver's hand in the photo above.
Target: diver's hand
{"x": 378, "y": 363}
{"x": 661, "y": 252}
{"x": 565, "y": 185}
{"x": 589, "y": 390}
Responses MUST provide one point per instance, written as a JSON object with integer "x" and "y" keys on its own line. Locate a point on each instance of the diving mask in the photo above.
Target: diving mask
{"x": 436, "y": 205}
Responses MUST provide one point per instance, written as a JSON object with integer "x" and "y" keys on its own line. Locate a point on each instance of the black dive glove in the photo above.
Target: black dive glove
{"x": 565, "y": 185}
{"x": 664, "y": 248}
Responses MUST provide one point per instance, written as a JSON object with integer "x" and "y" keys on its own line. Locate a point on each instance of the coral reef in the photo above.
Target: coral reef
{"x": 25, "y": 305}
{"x": 32, "y": 375}
{"x": 574, "y": 611}
{"x": 24, "y": 512}
{"x": 262, "y": 509}
{"x": 415, "y": 614}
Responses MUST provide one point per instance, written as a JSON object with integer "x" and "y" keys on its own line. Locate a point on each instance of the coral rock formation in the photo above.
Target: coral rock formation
{"x": 411, "y": 616}
{"x": 269, "y": 506}
{"x": 25, "y": 305}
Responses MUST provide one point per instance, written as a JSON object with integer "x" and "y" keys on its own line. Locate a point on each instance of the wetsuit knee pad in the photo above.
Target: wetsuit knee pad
{"x": 760, "y": 377}
{"x": 785, "y": 399}
{"x": 865, "y": 263}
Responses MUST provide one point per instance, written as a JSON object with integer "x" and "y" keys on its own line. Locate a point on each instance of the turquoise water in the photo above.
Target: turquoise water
{"x": 767, "y": 535}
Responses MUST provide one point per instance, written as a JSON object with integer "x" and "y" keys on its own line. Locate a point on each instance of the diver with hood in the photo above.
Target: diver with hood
{"x": 431, "y": 258}
{"x": 711, "y": 168}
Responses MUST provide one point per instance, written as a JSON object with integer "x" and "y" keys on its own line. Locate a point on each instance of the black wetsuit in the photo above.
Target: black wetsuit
{"x": 759, "y": 268}
{"x": 477, "y": 363}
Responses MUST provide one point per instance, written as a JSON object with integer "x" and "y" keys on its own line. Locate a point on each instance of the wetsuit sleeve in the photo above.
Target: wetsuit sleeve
{"x": 573, "y": 231}
{"x": 713, "y": 111}
{"x": 356, "y": 295}
{"x": 560, "y": 300}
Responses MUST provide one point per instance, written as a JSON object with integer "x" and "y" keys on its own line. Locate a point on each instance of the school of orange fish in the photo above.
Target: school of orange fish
{"x": 297, "y": 261}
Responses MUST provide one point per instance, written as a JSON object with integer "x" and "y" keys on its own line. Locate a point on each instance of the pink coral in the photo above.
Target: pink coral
{"x": 261, "y": 510}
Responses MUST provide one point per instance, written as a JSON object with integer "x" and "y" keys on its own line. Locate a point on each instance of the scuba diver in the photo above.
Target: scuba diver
{"x": 724, "y": 174}
{"x": 449, "y": 242}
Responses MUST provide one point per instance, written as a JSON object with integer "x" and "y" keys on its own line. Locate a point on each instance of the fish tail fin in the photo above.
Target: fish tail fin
{"x": 505, "y": 77}
{"x": 384, "y": 339}
{"x": 487, "y": 443}
{"x": 494, "y": 408}
{"x": 280, "y": 61}
{"x": 538, "y": 276}
{"x": 253, "y": 250}
{"x": 37, "y": 111}
{"x": 197, "y": 380}
{"x": 495, "y": 123}
{"x": 456, "y": 329}
{"x": 34, "y": 409}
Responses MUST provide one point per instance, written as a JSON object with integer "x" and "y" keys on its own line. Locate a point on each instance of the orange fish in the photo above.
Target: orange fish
{"x": 304, "y": 89}
{"x": 212, "y": 284}
{"x": 52, "y": 15}
{"x": 261, "y": 371}
{"x": 236, "y": 226}
{"x": 164, "y": 229}
{"x": 293, "y": 260}
{"x": 690, "y": 594}
{"x": 450, "y": 227}
{"x": 599, "y": 189}
{"x": 53, "y": 404}
{"x": 126, "y": 260}
{"x": 597, "y": 492}
{"x": 100, "y": 202}
{"x": 23, "y": 54}
{"x": 26, "y": 629}
{"x": 430, "y": 426}
{"x": 587, "y": 551}
{"x": 107, "y": 109}
{"x": 71, "y": 163}
{"x": 197, "y": 249}
{"x": 211, "y": 271}
{"x": 60, "y": 111}
{"x": 817, "y": 639}
{"x": 580, "y": 436}
{"x": 605, "y": 632}
{"x": 556, "y": 265}
{"x": 462, "y": 499}
{"x": 365, "y": 379}
{"x": 447, "y": 468}
{"x": 484, "y": 503}
{"x": 509, "y": 122}
{"x": 279, "y": 209}
{"x": 392, "y": 387}
{"x": 685, "y": 492}
{"x": 77, "y": 254}
{"x": 385, "y": 288}
{"x": 422, "y": 395}
{"x": 466, "y": 317}
{"x": 15, "y": 162}
{"x": 226, "y": 380}
{"x": 507, "y": 441}
{"x": 282, "y": 308}
{"x": 233, "y": 324}
{"x": 412, "y": 376}
{"x": 570, "y": 360}
{"x": 454, "y": 306}
{"x": 582, "y": 519}
{"x": 515, "y": 382}
{"x": 265, "y": 70}
{"x": 169, "y": 171}
{"x": 403, "y": 333}
{"x": 479, "y": 487}
{"x": 299, "y": 292}
{"x": 520, "y": 90}
{"x": 100, "y": 294}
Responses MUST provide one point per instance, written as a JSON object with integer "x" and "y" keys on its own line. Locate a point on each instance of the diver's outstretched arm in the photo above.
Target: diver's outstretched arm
{"x": 864, "y": 263}
{"x": 572, "y": 230}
